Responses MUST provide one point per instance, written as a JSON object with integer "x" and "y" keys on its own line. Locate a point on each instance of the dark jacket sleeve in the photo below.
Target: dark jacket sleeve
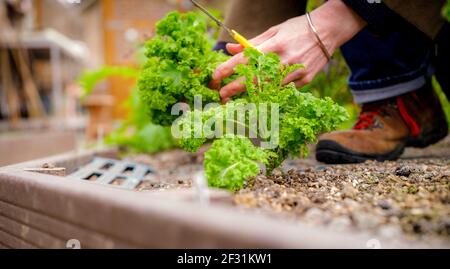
{"x": 377, "y": 15}
{"x": 388, "y": 15}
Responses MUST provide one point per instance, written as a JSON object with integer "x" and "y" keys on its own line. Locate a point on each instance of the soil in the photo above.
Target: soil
{"x": 389, "y": 198}
{"x": 408, "y": 198}
{"x": 174, "y": 169}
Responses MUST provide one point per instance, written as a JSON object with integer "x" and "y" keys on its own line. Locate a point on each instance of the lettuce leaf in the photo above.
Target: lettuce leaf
{"x": 231, "y": 160}
{"x": 179, "y": 66}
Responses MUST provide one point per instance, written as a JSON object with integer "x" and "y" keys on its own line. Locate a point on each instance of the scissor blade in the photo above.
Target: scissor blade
{"x": 209, "y": 14}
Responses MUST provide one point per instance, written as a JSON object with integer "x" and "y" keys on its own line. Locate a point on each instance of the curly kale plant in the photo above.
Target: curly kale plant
{"x": 231, "y": 159}
{"x": 300, "y": 118}
{"x": 179, "y": 66}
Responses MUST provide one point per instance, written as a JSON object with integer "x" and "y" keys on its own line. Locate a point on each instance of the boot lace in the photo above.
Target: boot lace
{"x": 366, "y": 118}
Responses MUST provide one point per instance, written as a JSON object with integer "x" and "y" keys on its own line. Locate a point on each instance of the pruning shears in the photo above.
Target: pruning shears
{"x": 234, "y": 34}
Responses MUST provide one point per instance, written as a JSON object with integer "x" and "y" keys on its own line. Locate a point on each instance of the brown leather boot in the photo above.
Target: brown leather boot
{"x": 385, "y": 128}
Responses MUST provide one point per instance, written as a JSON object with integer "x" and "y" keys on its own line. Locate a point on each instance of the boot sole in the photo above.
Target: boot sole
{"x": 330, "y": 152}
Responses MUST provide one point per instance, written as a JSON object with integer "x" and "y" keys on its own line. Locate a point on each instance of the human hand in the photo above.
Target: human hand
{"x": 295, "y": 43}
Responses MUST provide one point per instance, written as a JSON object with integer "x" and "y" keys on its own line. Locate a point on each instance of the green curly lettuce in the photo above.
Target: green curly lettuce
{"x": 196, "y": 127}
{"x": 301, "y": 117}
{"x": 179, "y": 66}
{"x": 231, "y": 160}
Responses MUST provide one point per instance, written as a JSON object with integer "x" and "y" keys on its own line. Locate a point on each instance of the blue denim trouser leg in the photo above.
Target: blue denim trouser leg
{"x": 387, "y": 65}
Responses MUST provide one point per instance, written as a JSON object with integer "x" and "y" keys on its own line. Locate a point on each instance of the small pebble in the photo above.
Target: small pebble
{"x": 403, "y": 171}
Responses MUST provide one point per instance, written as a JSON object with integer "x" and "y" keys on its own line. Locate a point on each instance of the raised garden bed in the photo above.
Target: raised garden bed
{"x": 23, "y": 146}
{"x": 310, "y": 206}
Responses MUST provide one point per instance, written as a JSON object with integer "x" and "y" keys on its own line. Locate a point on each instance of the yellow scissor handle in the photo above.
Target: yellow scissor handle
{"x": 241, "y": 40}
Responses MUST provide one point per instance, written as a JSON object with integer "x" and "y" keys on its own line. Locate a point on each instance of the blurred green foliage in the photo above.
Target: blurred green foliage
{"x": 313, "y": 4}
{"x": 89, "y": 79}
{"x": 446, "y": 10}
{"x": 136, "y": 133}
{"x": 444, "y": 99}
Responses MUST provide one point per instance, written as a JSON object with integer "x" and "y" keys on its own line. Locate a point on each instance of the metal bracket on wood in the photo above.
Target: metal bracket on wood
{"x": 124, "y": 175}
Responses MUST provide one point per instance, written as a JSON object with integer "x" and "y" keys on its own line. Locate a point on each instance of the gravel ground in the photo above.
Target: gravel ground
{"x": 390, "y": 198}
{"x": 408, "y": 198}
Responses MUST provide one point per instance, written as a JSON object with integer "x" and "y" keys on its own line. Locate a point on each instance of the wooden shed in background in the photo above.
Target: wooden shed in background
{"x": 112, "y": 31}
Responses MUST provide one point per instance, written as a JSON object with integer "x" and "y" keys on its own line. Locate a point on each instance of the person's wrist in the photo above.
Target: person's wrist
{"x": 316, "y": 34}
{"x": 336, "y": 23}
